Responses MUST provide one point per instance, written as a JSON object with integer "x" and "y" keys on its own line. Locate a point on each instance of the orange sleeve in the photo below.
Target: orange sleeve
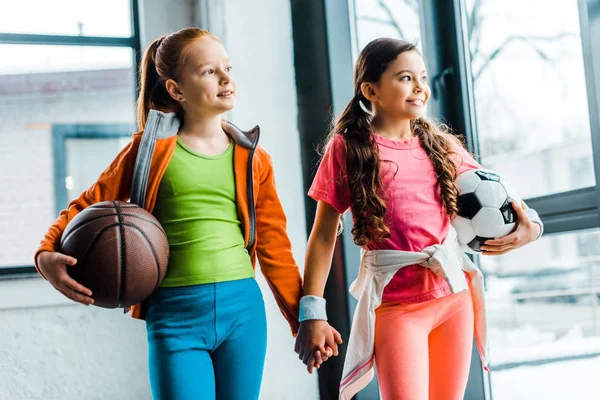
{"x": 113, "y": 184}
{"x": 274, "y": 249}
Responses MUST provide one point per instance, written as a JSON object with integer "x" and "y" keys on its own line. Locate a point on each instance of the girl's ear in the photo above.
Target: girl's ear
{"x": 173, "y": 90}
{"x": 369, "y": 91}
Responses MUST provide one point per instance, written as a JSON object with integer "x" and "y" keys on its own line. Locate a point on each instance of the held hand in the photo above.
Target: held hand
{"x": 525, "y": 233}
{"x": 318, "y": 358}
{"x": 54, "y": 267}
{"x": 315, "y": 335}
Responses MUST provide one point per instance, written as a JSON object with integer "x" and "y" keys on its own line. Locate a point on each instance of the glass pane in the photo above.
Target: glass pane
{"x": 530, "y": 93}
{"x": 71, "y": 85}
{"x": 544, "y": 318}
{"x": 85, "y": 161}
{"x": 386, "y": 18}
{"x": 67, "y": 17}
{"x": 28, "y": 60}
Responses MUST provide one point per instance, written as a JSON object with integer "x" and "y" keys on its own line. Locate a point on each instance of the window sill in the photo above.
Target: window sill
{"x": 29, "y": 291}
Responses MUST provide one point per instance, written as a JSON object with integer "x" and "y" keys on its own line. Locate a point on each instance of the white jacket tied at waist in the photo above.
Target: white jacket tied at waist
{"x": 376, "y": 271}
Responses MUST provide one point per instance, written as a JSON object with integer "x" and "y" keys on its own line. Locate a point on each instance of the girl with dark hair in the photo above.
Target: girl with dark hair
{"x": 420, "y": 298}
{"x": 213, "y": 190}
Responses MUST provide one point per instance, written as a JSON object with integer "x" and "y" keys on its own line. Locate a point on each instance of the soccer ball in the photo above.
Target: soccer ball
{"x": 484, "y": 209}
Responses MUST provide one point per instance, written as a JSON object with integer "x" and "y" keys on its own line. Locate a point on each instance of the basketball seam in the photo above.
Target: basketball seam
{"x": 147, "y": 220}
{"x": 84, "y": 223}
{"x": 122, "y": 246}
{"x": 109, "y": 207}
{"x": 93, "y": 242}
{"x": 151, "y": 246}
{"x": 85, "y": 254}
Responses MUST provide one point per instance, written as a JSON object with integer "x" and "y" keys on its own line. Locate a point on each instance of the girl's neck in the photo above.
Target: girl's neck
{"x": 393, "y": 129}
{"x": 202, "y": 127}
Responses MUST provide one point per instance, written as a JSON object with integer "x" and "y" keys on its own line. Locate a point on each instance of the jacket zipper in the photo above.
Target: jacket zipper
{"x": 149, "y": 161}
{"x": 250, "y": 194}
{"x": 142, "y": 189}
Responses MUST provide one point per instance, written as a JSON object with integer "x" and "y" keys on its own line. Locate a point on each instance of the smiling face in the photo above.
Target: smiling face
{"x": 206, "y": 85}
{"x": 402, "y": 90}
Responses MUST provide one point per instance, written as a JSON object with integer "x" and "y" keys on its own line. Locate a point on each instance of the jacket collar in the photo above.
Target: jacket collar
{"x": 168, "y": 124}
{"x": 247, "y": 139}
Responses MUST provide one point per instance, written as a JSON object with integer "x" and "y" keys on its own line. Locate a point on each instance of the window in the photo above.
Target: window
{"x": 544, "y": 317}
{"x": 76, "y": 69}
{"x": 386, "y": 18}
{"x": 79, "y": 18}
{"x": 581, "y": 172}
{"x": 81, "y": 153}
{"x": 530, "y": 92}
{"x": 537, "y": 124}
{"x": 588, "y": 244}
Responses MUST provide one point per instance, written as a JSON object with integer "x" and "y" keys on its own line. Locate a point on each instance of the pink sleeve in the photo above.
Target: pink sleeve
{"x": 463, "y": 159}
{"x": 331, "y": 183}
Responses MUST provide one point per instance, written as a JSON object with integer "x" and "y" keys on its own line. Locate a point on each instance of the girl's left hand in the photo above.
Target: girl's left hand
{"x": 525, "y": 233}
{"x": 316, "y": 342}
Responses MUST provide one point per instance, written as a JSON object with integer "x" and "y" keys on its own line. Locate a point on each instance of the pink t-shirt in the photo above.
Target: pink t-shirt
{"x": 415, "y": 215}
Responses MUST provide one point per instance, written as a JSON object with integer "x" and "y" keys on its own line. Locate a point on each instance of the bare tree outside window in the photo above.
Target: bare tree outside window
{"x": 524, "y": 61}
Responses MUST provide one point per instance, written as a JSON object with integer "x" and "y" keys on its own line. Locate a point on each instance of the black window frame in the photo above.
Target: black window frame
{"x": 133, "y": 42}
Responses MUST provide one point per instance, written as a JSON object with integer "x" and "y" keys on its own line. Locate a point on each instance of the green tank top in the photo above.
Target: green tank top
{"x": 196, "y": 205}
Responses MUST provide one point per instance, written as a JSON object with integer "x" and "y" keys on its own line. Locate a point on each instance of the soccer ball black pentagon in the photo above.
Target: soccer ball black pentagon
{"x": 484, "y": 209}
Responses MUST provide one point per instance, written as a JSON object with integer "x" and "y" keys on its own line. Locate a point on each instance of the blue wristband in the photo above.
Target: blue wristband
{"x": 312, "y": 307}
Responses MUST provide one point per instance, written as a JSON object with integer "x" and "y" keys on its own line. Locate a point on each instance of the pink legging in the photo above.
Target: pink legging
{"x": 423, "y": 350}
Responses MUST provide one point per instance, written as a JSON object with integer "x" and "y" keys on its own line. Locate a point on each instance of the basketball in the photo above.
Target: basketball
{"x": 122, "y": 252}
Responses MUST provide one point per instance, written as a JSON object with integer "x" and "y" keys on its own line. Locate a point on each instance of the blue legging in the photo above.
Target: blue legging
{"x": 207, "y": 341}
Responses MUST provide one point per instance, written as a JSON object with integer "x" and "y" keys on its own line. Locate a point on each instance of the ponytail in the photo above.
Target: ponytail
{"x": 153, "y": 93}
{"x": 362, "y": 167}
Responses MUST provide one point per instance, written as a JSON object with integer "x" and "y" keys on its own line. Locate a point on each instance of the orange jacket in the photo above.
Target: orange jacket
{"x": 264, "y": 225}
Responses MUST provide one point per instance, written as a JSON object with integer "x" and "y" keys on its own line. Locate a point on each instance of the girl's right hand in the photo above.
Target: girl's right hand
{"x": 53, "y": 266}
{"x": 316, "y": 335}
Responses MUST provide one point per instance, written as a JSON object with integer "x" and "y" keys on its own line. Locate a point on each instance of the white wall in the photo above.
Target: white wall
{"x": 159, "y": 17}
{"x": 70, "y": 352}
